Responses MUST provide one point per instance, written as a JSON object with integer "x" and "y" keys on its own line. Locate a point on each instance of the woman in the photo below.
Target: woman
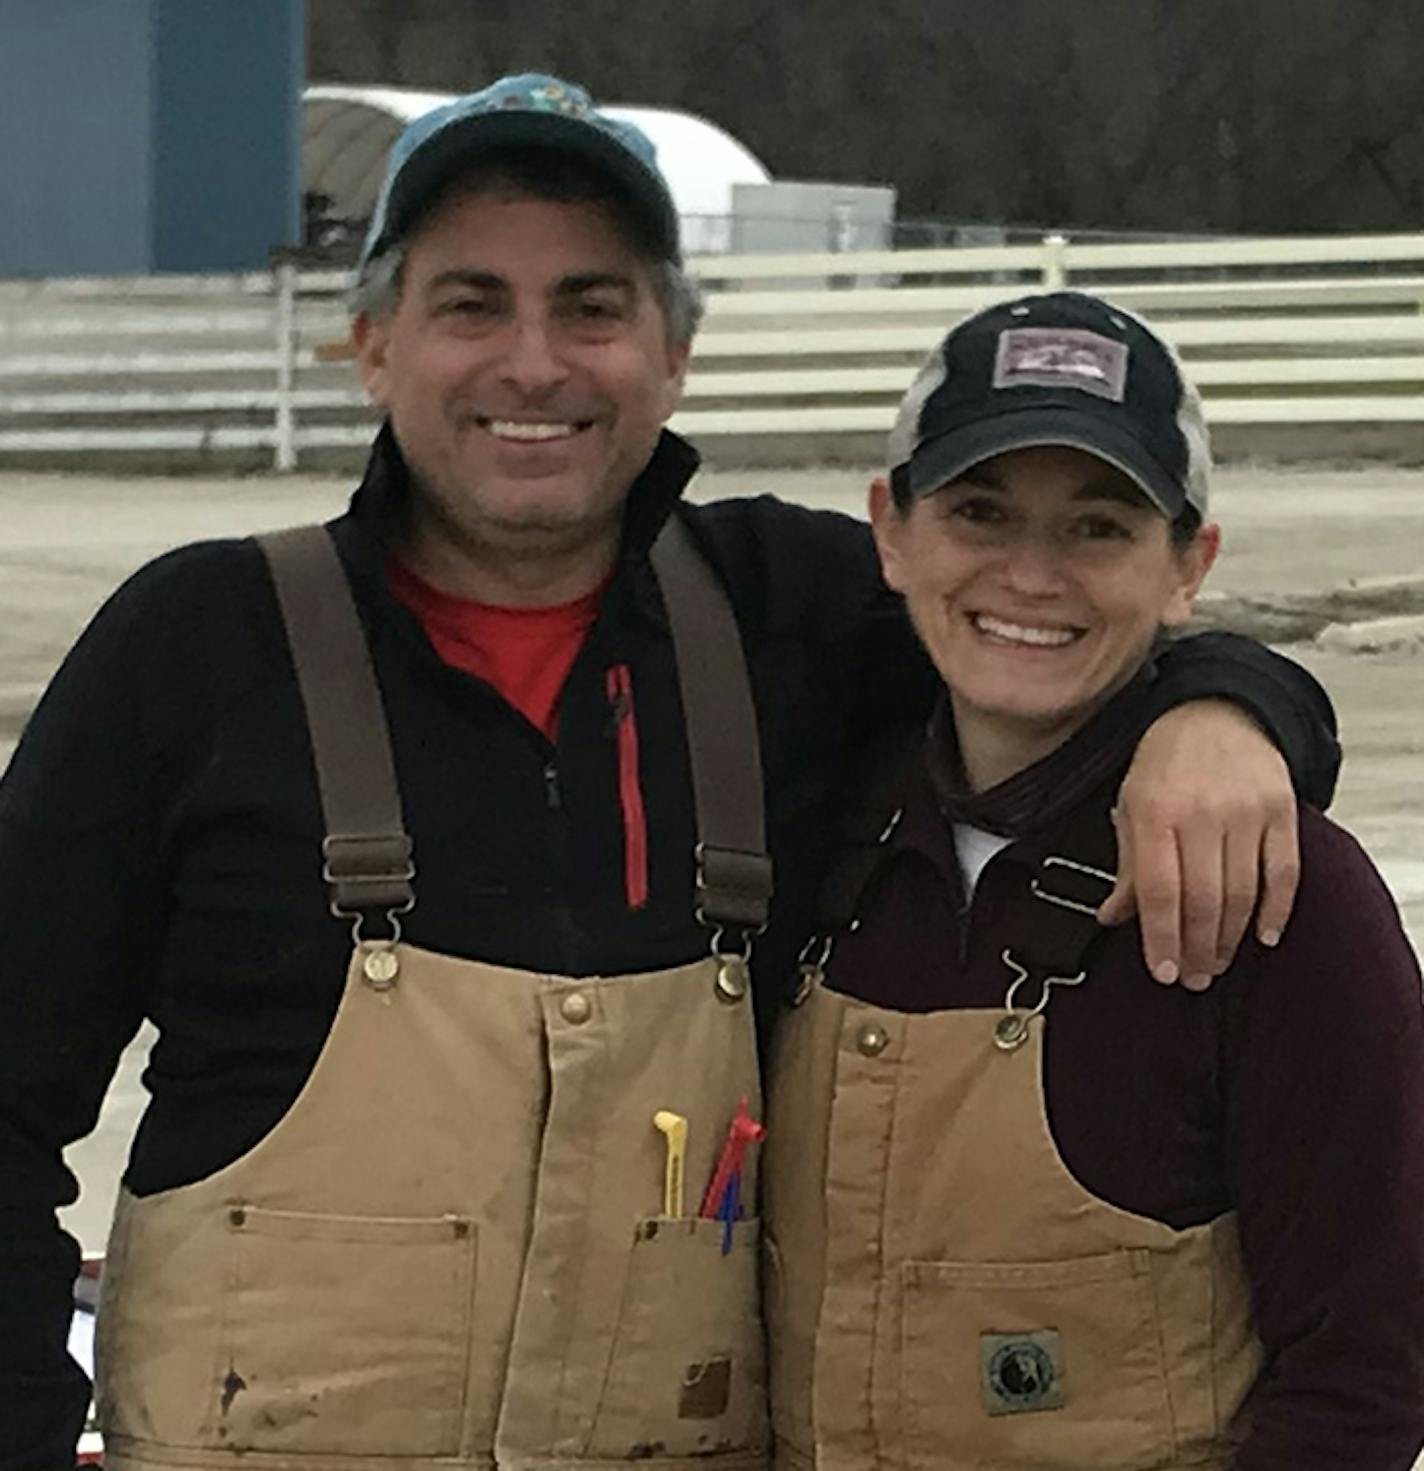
{"x": 1025, "y": 1208}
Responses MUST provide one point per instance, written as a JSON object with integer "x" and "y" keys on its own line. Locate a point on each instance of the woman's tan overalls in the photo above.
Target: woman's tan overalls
{"x": 943, "y": 1294}
{"x": 451, "y": 1252}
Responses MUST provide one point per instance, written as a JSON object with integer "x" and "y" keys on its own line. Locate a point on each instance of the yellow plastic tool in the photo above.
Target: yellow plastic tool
{"x": 674, "y": 1128}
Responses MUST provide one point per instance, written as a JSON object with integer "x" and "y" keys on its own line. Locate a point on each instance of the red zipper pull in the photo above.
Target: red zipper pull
{"x": 630, "y": 789}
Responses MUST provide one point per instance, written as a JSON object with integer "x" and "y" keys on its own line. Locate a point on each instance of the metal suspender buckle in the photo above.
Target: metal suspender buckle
{"x": 733, "y": 888}
{"x": 370, "y": 874}
{"x": 1078, "y": 895}
{"x": 733, "y": 897}
{"x": 811, "y": 966}
{"x": 1011, "y": 1030}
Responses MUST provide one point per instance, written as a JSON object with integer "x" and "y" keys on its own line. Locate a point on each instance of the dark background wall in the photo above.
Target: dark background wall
{"x": 227, "y": 131}
{"x": 95, "y": 217}
{"x": 148, "y": 135}
{"x": 1214, "y": 115}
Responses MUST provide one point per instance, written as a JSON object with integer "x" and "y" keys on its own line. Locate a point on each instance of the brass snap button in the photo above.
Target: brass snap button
{"x": 872, "y": 1041}
{"x": 1010, "y": 1032}
{"x": 734, "y": 979}
{"x": 576, "y": 1008}
{"x": 381, "y": 967}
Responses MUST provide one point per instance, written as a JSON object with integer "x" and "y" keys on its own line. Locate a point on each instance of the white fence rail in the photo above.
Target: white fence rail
{"x": 1276, "y": 331}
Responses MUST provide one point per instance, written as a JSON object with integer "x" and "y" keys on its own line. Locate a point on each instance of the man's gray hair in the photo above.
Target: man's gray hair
{"x": 377, "y": 292}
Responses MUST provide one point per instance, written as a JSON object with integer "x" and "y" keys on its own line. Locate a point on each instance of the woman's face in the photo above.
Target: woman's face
{"x": 1037, "y": 581}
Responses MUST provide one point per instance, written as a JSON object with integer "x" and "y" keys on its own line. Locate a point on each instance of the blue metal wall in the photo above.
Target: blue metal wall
{"x": 148, "y": 135}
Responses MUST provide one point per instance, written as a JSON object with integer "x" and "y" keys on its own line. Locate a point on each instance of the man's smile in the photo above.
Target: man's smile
{"x": 533, "y": 431}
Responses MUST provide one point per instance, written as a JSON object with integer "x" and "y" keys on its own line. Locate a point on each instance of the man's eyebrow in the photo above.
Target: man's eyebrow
{"x": 460, "y": 276}
{"x": 593, "y": 281}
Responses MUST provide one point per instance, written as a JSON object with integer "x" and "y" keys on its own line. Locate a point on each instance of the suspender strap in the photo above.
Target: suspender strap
{"x": 734, "y": 881}
{"x": 872, "y": 810}
{"x": 367, "y": 852}
{"x": 1054, "y": 919}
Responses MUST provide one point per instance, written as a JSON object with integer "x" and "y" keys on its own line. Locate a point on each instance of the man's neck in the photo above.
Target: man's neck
{"x": 520, "y": 574}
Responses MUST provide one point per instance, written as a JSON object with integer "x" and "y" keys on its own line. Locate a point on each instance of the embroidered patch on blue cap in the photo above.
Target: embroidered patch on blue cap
{"x": 550, "y": 96}
{"x": 1062, "y": 357}
{"x": 1021, "y": 1372}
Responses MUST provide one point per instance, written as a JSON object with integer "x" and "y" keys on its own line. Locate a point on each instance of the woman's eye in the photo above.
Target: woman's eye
{"x": 981, "y": 510}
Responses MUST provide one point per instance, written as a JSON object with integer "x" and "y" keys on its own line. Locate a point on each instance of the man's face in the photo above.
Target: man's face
{"x": 526, "y": 370}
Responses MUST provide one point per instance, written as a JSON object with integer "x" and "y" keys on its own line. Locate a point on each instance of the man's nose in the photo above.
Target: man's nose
{"x": 532, "y": 362}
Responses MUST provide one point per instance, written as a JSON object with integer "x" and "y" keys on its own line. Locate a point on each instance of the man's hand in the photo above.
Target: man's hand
{"x": 1206, "y": 821}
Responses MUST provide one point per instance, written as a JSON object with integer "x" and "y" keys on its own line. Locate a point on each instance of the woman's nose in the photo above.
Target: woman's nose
{"x": 1034, "y": 565}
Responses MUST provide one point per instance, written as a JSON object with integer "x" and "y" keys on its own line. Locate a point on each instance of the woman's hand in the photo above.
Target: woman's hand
{"x": 1206, "y": 823}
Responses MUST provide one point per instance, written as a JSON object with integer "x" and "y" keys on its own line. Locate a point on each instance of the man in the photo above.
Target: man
{"x": 404, "y": 1198}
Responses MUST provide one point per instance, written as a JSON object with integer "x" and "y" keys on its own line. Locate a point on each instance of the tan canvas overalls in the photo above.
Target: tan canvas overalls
{"x": 942, "y": 1292}
{"x": 451, "y": 1252}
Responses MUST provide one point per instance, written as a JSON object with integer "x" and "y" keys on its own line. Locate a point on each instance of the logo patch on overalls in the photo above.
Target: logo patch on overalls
{"x": 1021, "y": 1372}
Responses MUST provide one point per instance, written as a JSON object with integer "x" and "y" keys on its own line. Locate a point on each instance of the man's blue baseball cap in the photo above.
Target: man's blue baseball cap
{"x": 528, "y": 111}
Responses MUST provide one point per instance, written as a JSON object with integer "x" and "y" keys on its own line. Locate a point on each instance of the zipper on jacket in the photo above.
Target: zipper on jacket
{"x": 552, "y": 795}
{"x": 630, "y": 790}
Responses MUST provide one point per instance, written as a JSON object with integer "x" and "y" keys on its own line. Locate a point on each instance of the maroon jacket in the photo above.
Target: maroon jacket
{"x": 1292, "y": 1091}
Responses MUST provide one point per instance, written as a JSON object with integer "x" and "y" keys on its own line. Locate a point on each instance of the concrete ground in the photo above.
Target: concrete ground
{"x": 69, "y": 539}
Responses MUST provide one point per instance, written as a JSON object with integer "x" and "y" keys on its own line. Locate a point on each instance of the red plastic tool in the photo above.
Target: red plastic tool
{"x": 743, "y": 1130}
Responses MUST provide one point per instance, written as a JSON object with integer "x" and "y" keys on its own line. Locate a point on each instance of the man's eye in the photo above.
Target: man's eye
{"x": 595, "y": 309}
{"x": 468, "y": 306}
{"x": 1101, "y": 528}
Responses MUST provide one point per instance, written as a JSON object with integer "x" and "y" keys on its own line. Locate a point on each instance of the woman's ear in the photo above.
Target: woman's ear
{"x": 1194, "y": 562}
{"x": 888, "y": 525}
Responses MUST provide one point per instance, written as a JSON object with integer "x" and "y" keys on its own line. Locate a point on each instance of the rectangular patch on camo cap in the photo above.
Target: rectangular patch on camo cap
{"x": 1062, "y": 357}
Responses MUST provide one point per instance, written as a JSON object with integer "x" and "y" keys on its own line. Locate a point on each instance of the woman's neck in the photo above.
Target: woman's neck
{"x": 994, "y": 748}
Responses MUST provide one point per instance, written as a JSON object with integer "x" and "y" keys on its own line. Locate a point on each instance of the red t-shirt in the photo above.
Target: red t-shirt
{"x": 525, "y": 653}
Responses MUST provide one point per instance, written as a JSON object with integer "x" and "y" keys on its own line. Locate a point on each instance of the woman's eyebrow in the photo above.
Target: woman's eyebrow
{"x": 1112, "y": 488}
{"x": 982, "y": 476}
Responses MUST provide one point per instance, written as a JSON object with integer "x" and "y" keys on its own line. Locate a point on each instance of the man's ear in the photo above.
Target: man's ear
{"x": 679, "y": 355}
{"x": 371, "y": 339}
{"x": 889, "y": 526}
{"x": 1194, "y": 562}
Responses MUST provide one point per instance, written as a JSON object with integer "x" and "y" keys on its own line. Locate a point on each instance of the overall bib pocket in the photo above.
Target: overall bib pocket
{"x": 687, "y": 1370}
{"x": 344, "y": 1335}
{"x": 1054, "y": 1366}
